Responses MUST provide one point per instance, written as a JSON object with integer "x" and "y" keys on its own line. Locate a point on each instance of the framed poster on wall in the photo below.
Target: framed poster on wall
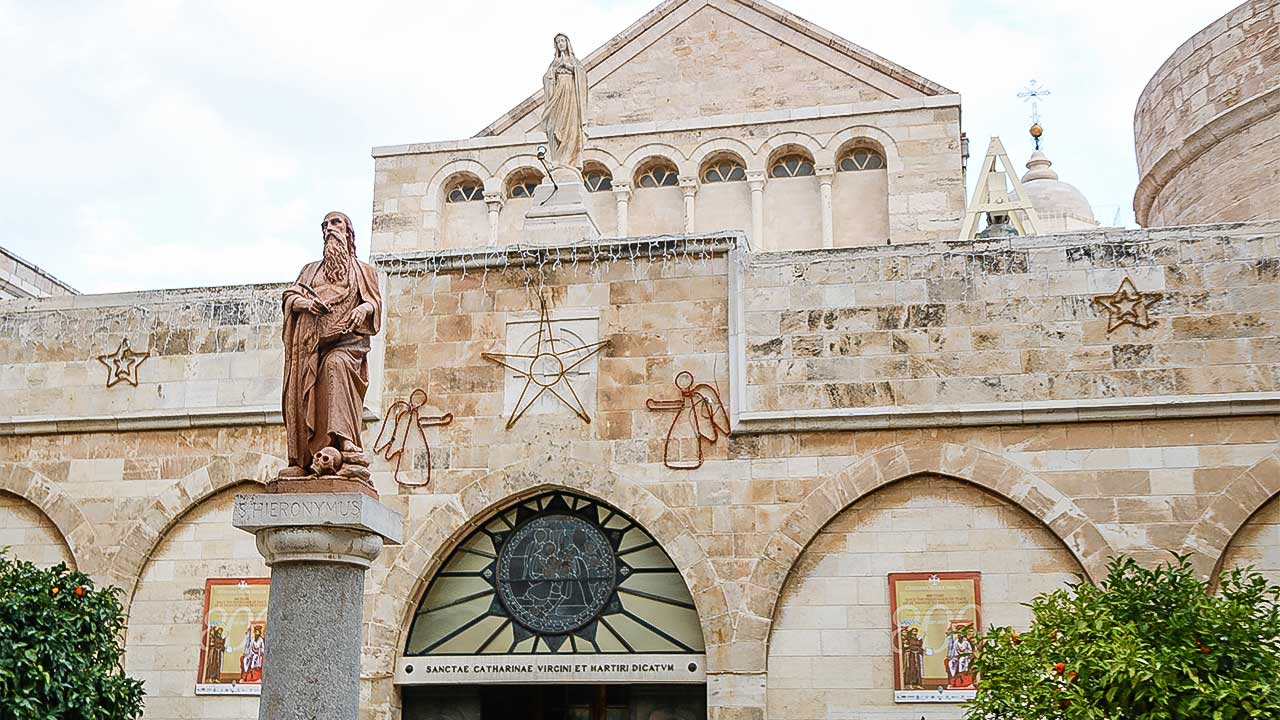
{"x": 932, "y": 655}
{"x": 233, "y": 636}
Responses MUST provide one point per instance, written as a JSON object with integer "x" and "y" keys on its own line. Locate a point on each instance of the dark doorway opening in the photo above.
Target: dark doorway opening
{"x": 555, "y": 702}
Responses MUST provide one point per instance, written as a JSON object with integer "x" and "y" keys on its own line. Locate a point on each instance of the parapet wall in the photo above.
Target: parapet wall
{"x": 1206, "y": 125}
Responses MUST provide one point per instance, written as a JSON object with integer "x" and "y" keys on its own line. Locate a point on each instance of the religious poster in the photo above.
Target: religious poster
{"x": 233, "y": 639}
{"x": 933, "y": 614}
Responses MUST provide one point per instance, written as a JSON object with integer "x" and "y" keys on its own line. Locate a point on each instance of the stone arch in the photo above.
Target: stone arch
{"x": 496, "y": 181}
{"x": 955, "y": 461}
{"x": 782, "y": 141}
{"x": 645, "y": 152}
{"x": 605, "y": 158}
{"x": 388, "y": 620}
{"x": 848, "y": 137}
{"x": 76, "y": 531}
{"x": 435, "y": 186}
{"x": 1241, "y": 499}
{"x": 727, "y": 145}
{"x": 140, "y": 540}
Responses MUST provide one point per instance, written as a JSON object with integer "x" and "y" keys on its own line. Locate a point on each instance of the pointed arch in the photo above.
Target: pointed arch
{"x": 140, "y": 540}
{"x": 76, "y": 531}
{"x": 955, "y": 461}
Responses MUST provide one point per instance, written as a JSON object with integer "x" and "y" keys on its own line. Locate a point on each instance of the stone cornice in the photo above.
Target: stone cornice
{"x": 616, "y": 250}
{"x": 151, "y": 420}
{"x": 681, "y": 125}
{"x": 1199, "y": 142}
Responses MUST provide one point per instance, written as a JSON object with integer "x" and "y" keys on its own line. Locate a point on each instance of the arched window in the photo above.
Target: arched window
{"x": 597, "y": 177}
{"x": 724, "y": 168}
{"x": 862, "y": 158}
{"x": 791, "y": 165}
{"x": 464, "y": 188}
{"x": 521, "y": 183}
{"x": 657, "y": 172}
{"x": 558, "y": 573}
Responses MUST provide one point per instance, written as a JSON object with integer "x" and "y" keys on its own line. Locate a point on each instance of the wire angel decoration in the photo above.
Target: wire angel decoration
{"x": 706, "y": 414}
{"x": 402, "y": 418}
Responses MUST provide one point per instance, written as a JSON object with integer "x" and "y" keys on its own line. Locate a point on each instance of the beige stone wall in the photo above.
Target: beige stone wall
{"x": 20, "y": 279}
{"x": 830, "y": 654}
{"x": 164, "y": 634}
{"x": 211, "y": 351}
{"x": 1204, "y": 126}
{"x": 27, "y": 534}
{"x": 995, "y": 323}
{"x": 1139, "y": 479}
{"x": 1237, "y": 178}
{"x": 921, "y": 197}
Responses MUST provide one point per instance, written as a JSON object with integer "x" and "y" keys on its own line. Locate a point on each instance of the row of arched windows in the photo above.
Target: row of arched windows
{"x": 659, "y": 172}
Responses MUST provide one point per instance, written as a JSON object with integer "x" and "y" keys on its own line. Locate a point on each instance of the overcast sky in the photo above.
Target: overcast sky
{"x": 171, "y": 144}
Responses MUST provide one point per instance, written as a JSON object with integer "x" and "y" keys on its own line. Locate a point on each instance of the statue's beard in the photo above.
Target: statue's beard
{"x": 337, "y": 258}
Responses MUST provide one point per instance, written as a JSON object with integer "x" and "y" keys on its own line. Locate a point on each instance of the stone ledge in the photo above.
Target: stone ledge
{"x": 1029, "y": 413}
{"x": 151, "y": 420}
{"x": 614, "y": 249}
{"x": 709, "y": 122}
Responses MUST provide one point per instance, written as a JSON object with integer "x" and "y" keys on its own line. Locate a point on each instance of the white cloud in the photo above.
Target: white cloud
{"x": 159, "y": 144}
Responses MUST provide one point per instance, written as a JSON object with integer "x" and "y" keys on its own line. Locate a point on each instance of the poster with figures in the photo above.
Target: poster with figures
{"x": 932, "y": 615}
{"x": 233, "y": 638}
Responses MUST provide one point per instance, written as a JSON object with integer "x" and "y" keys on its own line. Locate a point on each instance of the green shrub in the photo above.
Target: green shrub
{"x": 60, "y": 651}
{"x": 1144, "y": 644}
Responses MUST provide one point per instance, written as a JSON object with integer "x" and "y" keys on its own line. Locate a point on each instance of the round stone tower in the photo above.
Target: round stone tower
{"x": 1207, "y": 126}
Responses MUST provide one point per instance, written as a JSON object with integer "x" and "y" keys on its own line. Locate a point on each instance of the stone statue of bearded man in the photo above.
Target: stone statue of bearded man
{"x": 330, "y": 313}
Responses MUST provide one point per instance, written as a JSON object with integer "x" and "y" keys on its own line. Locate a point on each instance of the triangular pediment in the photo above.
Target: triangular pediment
{"x": 696, "y": 58}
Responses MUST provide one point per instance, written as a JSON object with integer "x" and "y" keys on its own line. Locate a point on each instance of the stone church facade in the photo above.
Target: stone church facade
{"x": 898, "y": 400}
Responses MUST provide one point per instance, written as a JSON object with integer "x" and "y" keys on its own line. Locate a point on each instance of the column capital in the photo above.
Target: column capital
{"x": 755, "y": 179}
{"x": 825, "y": 173}
{"x": 622, "y": 190}
{"x": 494, "y": 200}
{"x": 688, "y": 185}
{"x": 319, "y": 544}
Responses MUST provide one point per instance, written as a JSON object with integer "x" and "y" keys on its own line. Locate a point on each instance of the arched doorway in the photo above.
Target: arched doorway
{"x": 557, "y": 608}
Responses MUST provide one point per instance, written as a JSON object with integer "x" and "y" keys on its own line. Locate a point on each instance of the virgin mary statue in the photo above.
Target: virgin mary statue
{"x": 565, "y": 109}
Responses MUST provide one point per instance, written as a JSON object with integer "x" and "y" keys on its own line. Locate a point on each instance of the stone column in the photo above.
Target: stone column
{"x": 755, "y": 180}
{"x": 688, "y": 186}
{"x": 826, "y": 175}
{"x": 318, "y": 546}
{"x": 622, "y": 196}
{"x": 493, "y": 201}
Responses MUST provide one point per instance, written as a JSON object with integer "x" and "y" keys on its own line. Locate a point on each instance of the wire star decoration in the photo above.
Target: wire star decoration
{"x": 1127, "y": 306}
{"x": 122, "y": 365}
{"x": 546, "y": 369}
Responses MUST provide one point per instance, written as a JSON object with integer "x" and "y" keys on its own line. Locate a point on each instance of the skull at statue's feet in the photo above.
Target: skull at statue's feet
{"x": 327, "y": 462}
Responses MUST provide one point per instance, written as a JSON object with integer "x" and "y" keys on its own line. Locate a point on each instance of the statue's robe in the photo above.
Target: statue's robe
{"x": 326, "y": 370}
{"x": 565, "y": 91}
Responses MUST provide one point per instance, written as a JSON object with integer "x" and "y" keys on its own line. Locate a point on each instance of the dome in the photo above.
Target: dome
{"x": 1060, "y": 205}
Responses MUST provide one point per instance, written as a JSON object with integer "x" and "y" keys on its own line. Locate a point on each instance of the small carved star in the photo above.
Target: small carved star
{"x": 122, "y": 365}
{"x": 1127, "y": 306}
{"x": 547, "y": 369}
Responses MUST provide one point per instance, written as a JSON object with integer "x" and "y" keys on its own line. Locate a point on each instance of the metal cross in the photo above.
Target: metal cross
{"x": 1033, "y": 92}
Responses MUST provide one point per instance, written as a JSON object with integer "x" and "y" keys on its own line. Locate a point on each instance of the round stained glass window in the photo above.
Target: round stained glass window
{"x": 556, "y": 573}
